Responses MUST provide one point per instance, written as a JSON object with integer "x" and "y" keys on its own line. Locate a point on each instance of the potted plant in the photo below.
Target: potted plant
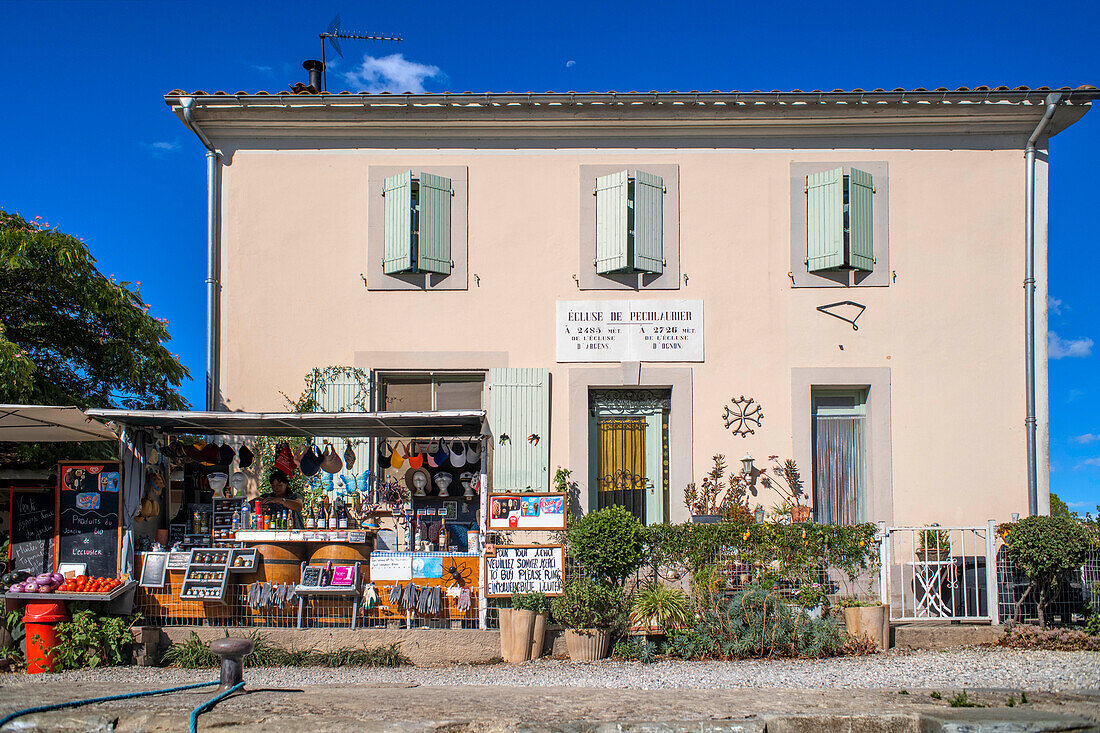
{"x": 660, "y": 607}
{"x": 933, "y": 545}
{"x": 866, "y": 618}
{"x": 589, "y": 611}
{"x": 720, "y": 497}
{"x": 528, "y": 627}
{"x": 786, "y": 479}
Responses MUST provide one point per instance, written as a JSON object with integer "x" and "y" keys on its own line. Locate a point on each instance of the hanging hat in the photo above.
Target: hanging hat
{"x": 397, "y": 457}
{"x": 226, "y": 454}
{"x": 330, "y": 461}
{"x": 473, "y": 454}
{"x": 441, "y": 455}
{"x": 244, "y": 457}
{"x": 458, "y": 454}
{"x": 284, "y": 460}
{"x": 299, "y": 451}
{"x": 416, "y": 455}
{"x": 430, "y": 454}
{"x": 411, "y": 483}
{"x": 311, "y": 461}
{"x": 194, "y": 452}
{"x": 349, "y": 456}
{"x": 442, "y": 482}
{"x": 210, "y": 455}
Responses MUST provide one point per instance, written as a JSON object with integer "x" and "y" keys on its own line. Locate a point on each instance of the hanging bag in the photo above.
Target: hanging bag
{"x": 330, "y": 460}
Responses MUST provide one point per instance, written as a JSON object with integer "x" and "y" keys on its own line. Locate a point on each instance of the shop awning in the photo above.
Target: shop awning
{"x": 441, "y": 424}
{"x": 49, "y": 424}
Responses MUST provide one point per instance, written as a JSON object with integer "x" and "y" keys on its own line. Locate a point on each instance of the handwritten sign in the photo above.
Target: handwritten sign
{"x": 31, "y": 530}
{"x": 527, "y": 511}
{"x": 629, "y": 330}
{"x": 88, "y": 503}
{"x": 154, "y": 567}
{"x": 524, "y": 569}
{"x": 385, "y": 566}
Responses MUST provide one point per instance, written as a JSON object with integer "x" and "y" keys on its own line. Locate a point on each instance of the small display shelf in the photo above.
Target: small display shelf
{"x": 242, "y": 560}
{"x": 222, "y": 529}
{"x": 207, "y": 575}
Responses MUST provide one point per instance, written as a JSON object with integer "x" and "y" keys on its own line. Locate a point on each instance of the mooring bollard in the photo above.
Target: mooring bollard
{"x": 232, "y": 650}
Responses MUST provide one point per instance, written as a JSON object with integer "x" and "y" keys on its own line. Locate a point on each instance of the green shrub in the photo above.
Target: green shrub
{"x": 608, "y": 544}
{"x": 194, "y": 653}
{"x": 1044, "y": 548}
{"x": 90, "y": 639}
{"x": 536, "y": 602}
{"x": 757, "y": 622}
{"x": 585, "y": 604}
{"x": 1023, "y": 636}
{"x": 636, "y": 649}
{"x": 685, "y": 645}
{"x": 661, "y": 606}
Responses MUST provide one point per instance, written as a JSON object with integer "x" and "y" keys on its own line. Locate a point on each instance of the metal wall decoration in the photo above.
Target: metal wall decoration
{"x": 745, "y": 414}
{"x": 844, "y": 310}
{"x": 628, "y": 400}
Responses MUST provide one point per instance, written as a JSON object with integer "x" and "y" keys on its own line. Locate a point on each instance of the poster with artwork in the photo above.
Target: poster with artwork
{"x": 527, "y": 511}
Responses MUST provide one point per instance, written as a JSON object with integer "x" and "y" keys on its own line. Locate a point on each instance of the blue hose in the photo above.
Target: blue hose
{"x": 78, "y": 703}
{"x": 211, "y": 703}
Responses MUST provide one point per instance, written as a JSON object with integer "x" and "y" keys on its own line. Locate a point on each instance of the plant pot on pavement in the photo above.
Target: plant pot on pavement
{"x": 870, "y": 621}
{"x": 505, "y": 617}
{"x": 587, "y": 645}
{"x": 523, "y": 629}
{"x": 538, "y": 635}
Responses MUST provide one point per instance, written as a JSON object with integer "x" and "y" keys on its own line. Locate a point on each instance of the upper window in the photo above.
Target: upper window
{"x": 405, "y": 392}
{"x": 839, "y": 225}
{"x": 418, "y": 224}
{"x": 629, "y": 227}
{"x": 629, "y": 223}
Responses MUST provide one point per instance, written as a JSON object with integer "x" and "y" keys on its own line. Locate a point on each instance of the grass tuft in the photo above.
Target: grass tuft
{"x": 194, "y": 653}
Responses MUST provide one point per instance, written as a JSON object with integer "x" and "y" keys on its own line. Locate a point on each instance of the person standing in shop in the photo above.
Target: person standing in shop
{"x": 281, "y": 497}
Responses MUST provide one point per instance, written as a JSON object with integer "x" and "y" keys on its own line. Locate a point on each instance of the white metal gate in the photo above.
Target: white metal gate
{"x": 939, "y": 573}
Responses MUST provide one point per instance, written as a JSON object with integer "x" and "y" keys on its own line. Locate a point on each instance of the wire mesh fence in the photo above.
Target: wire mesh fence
{"x": 1075, "y": 599}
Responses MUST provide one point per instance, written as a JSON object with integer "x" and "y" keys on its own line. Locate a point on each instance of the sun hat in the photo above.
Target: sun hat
{"x": 210, "y": 455}
{"x": 416, "y": 455}
{"x": 413, "y": 472}
{"x": 430, "y": 454}
{"x": 458, "y": 457}
{"x": 442, "y": 482}
{"x": 226, "y": 454}
{"x": 330, "y": 460}
{"x": 194, "y": 452}
{"x": 466, "y": 478}
{"x": 311, "y": 461}
{"x": 244, "y": 457}
{"x": 284, "y": 460}
{"x": 349, "y": 455}
{"x": 473, "y": 454}
{"x": 397, "y": 457}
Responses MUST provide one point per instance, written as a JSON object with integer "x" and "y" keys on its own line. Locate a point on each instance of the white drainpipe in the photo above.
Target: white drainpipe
{"x": 1029, "y": 303}
{"x": 213, "y": 286}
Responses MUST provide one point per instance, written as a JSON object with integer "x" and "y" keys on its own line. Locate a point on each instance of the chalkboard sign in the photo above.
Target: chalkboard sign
{"x": 31, "y": 531}
{"x": 154, "y": 566}
{"x": 88, "y": 503}
{"x": 311, "y": 576}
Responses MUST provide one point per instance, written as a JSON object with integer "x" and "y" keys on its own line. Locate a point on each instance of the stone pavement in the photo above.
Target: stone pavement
{"x": 456, "y": 709}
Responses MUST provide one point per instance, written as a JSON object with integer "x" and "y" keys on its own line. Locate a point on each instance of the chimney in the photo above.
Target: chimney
{"x": 314, "y": 67}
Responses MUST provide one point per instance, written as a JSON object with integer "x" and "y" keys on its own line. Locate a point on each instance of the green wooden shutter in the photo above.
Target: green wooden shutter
{"x": 519, "y": 407}
{"x": 825, "y": 220}
{"x": 343, "y": 392}
{"x": 612, "y": 235}
{"x": 649, "y": 195}
{"x": 861, "y": 194}
{"x": 397, "y": 256}
{"x": 433, "y": 253}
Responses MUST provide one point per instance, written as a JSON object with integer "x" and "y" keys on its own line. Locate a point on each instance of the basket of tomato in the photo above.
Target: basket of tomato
{"x": 90, "y": 585}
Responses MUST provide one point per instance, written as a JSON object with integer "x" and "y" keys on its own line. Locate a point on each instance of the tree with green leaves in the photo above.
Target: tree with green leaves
{"x": 70, "y": 335}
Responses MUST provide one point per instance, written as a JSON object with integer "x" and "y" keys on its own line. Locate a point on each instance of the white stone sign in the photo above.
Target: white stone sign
{"x": 630, "y": 330}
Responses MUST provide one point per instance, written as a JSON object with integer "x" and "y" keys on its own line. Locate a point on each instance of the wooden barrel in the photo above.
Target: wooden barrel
{"x": 336, "y": 611}
{"x": 276, "y": 564}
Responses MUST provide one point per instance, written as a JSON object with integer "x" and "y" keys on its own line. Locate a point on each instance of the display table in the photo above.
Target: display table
{"x": 452, "y": 571}
{"x": 120, "y": 600}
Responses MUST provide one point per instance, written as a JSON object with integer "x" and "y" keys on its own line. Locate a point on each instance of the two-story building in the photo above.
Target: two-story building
{"x": 632, "y": 283}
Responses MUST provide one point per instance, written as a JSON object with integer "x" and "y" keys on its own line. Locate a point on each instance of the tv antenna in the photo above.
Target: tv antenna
{"x": 333, "y": 34}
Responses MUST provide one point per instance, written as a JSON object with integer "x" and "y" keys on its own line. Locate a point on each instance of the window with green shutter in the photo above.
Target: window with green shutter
{"x": 629, "y": 223}
{"x": 839, "y": 220}
{"x": 418, "y": 224}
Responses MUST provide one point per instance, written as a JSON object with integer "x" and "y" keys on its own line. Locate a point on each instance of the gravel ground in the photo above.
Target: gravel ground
{"x": 925, "y": 670}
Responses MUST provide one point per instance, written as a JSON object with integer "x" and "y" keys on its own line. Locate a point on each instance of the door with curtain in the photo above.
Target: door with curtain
{"x": 839, "y": 471}
{"x": 628, "y": 451}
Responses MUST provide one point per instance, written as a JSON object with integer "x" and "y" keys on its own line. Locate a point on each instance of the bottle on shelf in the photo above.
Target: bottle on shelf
{"x": 311, "y": 519}
{"x": 332, "y": 517}
{"x": 342, "y": 518}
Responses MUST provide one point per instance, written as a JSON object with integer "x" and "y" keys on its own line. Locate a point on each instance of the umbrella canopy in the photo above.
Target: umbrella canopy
{"x": 49, "y": 424}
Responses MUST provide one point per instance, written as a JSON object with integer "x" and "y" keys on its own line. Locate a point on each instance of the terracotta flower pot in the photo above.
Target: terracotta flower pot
{"x": 801, "y": 513}
{"x": 870, "y": 621}
{"x": 523, "y": 629}
{"x": 587, "y": 645}
{"x": 538, "y": 636}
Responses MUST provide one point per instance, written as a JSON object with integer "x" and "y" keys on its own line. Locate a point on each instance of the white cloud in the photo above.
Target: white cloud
{"x": 570, "y": 64}
{"x": 1078, "y": 504}
{"x": 1086, "y": 438}
{"x": 1089, "y": 463}
{"x": 162, "y": 147}
{"x": 262, "y": 69}
{"x": 1054, "y": 305}
{"x": 393, "y": 73}
{"x": 1059, "y": 348}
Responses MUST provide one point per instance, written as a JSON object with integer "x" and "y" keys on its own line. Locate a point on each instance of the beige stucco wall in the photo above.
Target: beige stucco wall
{"x": 950, "y": 328}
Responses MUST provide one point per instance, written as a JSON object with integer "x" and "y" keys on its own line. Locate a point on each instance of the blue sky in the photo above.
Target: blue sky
{"x": 90, "y": 145}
